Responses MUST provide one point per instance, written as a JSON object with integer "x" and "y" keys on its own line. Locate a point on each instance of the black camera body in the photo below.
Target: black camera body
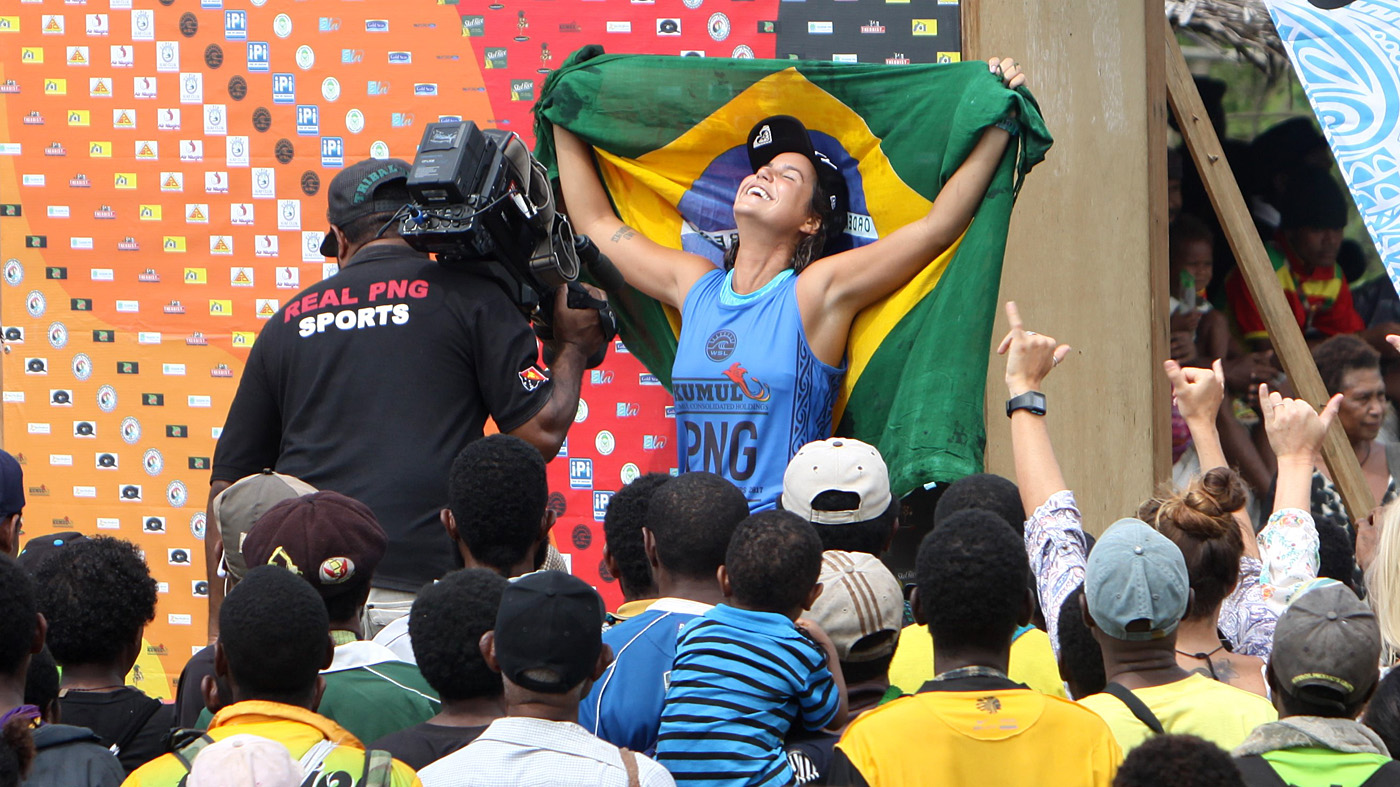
{"x": 480, "y": 199}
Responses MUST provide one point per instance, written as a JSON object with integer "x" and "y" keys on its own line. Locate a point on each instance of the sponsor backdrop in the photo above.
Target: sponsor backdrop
{"x": 162, "y": 167}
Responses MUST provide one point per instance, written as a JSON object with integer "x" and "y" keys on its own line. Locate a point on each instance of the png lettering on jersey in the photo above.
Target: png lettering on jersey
{"x": 341, "y": 309}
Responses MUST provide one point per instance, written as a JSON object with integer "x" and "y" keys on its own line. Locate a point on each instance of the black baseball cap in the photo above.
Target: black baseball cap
{"x": 352, "y": 194}
{"x": 786, "y": 134}
{"x": 549, "y": 620}
{"x": 11, "y": 485}
{"x": 40, "y": 548}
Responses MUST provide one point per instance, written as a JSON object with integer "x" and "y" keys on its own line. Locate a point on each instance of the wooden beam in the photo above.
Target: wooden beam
{"x": 1258, "y": 273}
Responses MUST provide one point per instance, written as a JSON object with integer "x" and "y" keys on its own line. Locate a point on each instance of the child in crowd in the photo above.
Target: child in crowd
{"x": 748, "y": 668}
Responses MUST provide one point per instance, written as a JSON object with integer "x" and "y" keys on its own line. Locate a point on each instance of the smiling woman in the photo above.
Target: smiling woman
{"x": 761, "y": 351}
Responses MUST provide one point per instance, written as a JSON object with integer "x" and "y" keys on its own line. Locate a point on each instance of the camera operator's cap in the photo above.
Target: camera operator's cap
{"x": 40, "y": 548}
{"x": 838, "y": 464}
{"x": 1135, "y": 573}
{"x": 549, "y": 621}
{"x": 861, "y": 606}
{"x": 786, "y": 134}
{"x": 1327, "y": 646}
{"x": 237, "y": 508}
{"x": 330, "y": 540}
{"x": 11, "y": 485}
{"x": 351, "y": 194}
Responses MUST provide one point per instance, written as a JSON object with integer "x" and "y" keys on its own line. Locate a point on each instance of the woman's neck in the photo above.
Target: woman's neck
{"x": 757, "y": 263}
{"x": 1198, "y": 635}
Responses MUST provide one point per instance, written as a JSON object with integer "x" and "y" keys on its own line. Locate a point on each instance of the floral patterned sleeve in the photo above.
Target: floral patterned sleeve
{"x": 1056, "y": 548}
{"x": 1289, "y": 563}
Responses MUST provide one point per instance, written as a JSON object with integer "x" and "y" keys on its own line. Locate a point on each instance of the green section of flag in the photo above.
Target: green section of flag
{"x": 919, "y": 398}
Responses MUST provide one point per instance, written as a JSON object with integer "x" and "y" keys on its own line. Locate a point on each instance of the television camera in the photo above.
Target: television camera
{"x": 479, "y": 198}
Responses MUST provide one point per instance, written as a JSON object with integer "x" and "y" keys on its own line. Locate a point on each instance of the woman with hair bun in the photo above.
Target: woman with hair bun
{"x": 1201, "y": 522}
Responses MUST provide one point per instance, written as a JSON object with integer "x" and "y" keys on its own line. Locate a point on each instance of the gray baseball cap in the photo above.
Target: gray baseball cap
{"x": 1327, "y": 646}
{"x": 238, "y": 507}
{"x": 1136, "y": 573}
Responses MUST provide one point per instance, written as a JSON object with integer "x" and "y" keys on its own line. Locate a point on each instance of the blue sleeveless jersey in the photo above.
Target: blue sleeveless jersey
{"x": 748, "y": 390}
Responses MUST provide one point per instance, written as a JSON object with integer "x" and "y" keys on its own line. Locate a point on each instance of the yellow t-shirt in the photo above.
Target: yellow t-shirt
{"x": 1007, "y": 736}
{"x": 1197, "y": 705}
{"x": 1032, "y": 662}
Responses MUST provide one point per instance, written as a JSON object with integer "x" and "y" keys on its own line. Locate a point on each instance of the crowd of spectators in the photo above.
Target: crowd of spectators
{"x": 1183, "y": 646}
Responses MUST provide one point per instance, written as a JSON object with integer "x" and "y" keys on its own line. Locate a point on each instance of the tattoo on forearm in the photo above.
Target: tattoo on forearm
{"x": 623, "y": 233}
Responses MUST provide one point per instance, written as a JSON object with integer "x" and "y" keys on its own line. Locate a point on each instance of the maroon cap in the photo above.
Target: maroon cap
{"x": 332, "y": 541}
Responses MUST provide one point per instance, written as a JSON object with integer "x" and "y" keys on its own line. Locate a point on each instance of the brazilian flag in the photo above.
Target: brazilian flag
{"x": 669, "y": 136}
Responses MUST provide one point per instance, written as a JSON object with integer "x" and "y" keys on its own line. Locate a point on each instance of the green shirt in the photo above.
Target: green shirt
{"x": 1307, "y": 767}
{"x": 371, "y": 693}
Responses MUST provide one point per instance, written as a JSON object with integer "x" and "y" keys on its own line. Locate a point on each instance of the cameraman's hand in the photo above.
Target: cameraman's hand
{"x": 578, "y": 329}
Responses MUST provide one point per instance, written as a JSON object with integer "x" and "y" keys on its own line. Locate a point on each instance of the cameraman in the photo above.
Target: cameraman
{"x": 370, "y": 382}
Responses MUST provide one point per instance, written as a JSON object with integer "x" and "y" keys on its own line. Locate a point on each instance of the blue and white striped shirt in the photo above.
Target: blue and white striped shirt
{"x": 741, "y": 679}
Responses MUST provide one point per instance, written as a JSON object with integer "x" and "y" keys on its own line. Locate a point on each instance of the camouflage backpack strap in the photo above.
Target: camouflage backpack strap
{"x": 187, "y": 744}
{"x": 379, "y": 769}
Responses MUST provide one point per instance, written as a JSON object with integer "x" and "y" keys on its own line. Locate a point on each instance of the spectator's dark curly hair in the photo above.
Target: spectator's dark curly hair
{"x": 446, "y": 625}
{"x": 98, "y": 595}
{"x": 497, "y": 494}
{"x": 1341, "y": 354}
{"x": 1081, "y": 658}
{"x": 869, "y": 536}
{"x": 274, "y": 632}
{"x": 41, "y": 684}
{"x": 971, "y": 573}
{"x": 693, "y": 517}
{"x": 773, "y": 561}
{"x": 983, "y": 492}
{"x": 20, "y": 615}
{"x": 1383, "y": 711}
{"x": 1177, "y": 761}
{"x": 622, "y": 527}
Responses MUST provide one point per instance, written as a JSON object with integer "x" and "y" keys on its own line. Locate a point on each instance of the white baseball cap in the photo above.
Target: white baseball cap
{"x": 838, "y": 464}
{"x": 242, "y": 760}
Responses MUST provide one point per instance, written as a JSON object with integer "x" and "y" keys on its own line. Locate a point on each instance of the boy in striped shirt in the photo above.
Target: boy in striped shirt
{"x": 748, "y": 669}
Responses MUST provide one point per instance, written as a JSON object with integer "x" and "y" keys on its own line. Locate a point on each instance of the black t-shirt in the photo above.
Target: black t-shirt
{"x": 113, "y": 715}
{"x": 423, "y": 744}
{"x": 369, "y": 384}
{"x": 189, "y": 693}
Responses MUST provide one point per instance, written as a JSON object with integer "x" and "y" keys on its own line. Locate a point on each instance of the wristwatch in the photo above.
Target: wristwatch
{"x": 1032, "y": 401}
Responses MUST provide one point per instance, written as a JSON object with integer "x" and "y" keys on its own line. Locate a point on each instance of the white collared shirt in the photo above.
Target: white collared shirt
{"x": 517, "y": 750}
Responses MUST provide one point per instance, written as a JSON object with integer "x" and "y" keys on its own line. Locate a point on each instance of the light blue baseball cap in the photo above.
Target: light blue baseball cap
{"x": 1136, "y": 573}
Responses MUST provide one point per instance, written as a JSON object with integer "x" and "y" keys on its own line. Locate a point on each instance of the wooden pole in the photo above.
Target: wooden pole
{"x": 1258, "y": 273}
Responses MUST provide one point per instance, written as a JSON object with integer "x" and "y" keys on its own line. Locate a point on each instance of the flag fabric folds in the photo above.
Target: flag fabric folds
{"x": 669, "y": 134}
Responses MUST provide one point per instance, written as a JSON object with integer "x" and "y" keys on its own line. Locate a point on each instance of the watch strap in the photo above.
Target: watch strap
{"x": 1032, "y": 401}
